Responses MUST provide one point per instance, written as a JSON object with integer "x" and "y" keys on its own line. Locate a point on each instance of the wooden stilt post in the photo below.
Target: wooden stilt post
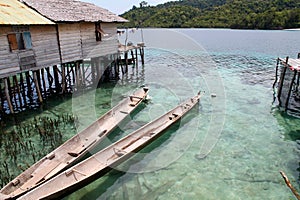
{"x": 28, "y": 84}
{"x": 126, "y": 62}
{"x": 136, "y": 57}
{"x": 290, "y": 90}
{"x": 18, "y": 90}
{"x": 38, "y": 78}
{"x": 50, "y": 80}
{"x": 142, "y": 55}
{"x": 77, "y": 71}
{"x": 44, "y": 81}
{"x": 7, "y": 96}
{"x": 36, "y": 82}
{"x": 83, "y": 73}
{"x": 298, "y": 81}
{"x": 281, "y": 82}
{"x": 63, "y": 76}
{"x": 132, "y": 56}
{"x": 93, "y": 70}
{"x": 56, "y": 79}
{"x": 1, "y": 98}
{"x": 276, "y": 73}
{"x": 23, "y": 89}
{"x": 73, "y": 66}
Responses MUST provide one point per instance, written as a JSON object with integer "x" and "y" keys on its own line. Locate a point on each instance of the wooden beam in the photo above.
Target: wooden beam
{"x": 288, "y": 183}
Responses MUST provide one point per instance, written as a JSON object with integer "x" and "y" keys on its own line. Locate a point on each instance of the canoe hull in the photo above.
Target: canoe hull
{"x": 110, "y": 157}
{"x": 74, "y": 149}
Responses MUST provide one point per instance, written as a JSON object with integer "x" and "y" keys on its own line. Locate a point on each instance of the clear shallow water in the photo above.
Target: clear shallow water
{"x": 230, "y": 147}
{"x": 231, "y": 151}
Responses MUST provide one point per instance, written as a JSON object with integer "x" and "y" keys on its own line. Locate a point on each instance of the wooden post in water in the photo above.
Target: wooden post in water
{"x": 28, "y": 84}
{"x": 83, "y": 73}
{"x": 132, "y": 56}
{"x": 281, "y": 81}
{"x": 36, "y": 82}
{"x": 23, "y": 89}
{"x": 63, "y": 77}
{"x": 56, "y": 79}
{"x": 142, "y": 55}
{"x": 136, "y": 57}
{"x": 38, "y": 78}
{"x": 50, "y": 80}
{"x": 1, "y": 98}
{"x": 126, "y": 61}
{"x": 44, "y": 81}
{"x": 77, "y": 71}
{"x": 18, "y": 90}
{"x": 7, "y": 95}
{"x": 290, "y": 90}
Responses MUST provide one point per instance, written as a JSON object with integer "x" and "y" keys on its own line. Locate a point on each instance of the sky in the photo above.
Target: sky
{"x": 120, "y": 6}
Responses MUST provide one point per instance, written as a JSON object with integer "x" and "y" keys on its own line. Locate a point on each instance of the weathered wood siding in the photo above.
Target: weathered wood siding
{"x": 70, "y": 42}
{"x": 45, "y": 45}
{"x": 9, "y": 62}
{"x": 108, "y": 44}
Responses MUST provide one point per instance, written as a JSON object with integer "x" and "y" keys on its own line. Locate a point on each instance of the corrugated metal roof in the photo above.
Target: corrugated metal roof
{"x": 72, "y": 11}
{"x": 12, "y": 12}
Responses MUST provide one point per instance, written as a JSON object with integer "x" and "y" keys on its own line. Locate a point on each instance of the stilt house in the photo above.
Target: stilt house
{"x": 32, "y": 41}
{"x": 43, "y": 44}
{"x": 20, "y": 42}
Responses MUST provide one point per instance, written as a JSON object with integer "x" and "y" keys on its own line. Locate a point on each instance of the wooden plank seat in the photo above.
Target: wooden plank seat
{"x": 80, "y": 148}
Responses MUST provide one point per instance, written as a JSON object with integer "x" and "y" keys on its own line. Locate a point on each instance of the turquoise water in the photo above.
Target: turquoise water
{"x": 231, "y": 146}
{"x": 234, "y": 145}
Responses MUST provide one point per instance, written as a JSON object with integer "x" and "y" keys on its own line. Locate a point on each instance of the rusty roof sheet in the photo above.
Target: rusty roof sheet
{"x": 12, "y": 12}
{"x": 72, "y": 11}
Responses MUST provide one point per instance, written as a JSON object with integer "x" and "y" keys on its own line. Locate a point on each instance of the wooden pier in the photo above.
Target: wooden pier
{"x": 287, "y": 81}
{"x": 130, "y": 55}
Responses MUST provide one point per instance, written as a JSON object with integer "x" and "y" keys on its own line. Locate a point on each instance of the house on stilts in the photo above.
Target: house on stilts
{"x": 287, "y": 81}
{"x": 53, "y": 46}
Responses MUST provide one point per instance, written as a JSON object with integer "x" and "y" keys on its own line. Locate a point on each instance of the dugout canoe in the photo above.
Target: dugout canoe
{"x": 73, "y": 149}
{"x": 103, "y": 161}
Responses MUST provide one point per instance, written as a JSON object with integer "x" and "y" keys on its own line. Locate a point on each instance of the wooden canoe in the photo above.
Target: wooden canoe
{"x": 103, "y": 161}
{"x": 73, "y": 149}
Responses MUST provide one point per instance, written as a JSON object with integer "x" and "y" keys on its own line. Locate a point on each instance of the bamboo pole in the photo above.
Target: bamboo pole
{"x": 7, "y": 96}
{"x": 288, "y": 183}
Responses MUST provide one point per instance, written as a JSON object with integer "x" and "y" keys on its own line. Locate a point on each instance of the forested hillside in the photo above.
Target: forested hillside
{"x": 243, "y": 14}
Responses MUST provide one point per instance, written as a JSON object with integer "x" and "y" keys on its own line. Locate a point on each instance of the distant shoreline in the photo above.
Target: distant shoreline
{"x": 292, "y": 29}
